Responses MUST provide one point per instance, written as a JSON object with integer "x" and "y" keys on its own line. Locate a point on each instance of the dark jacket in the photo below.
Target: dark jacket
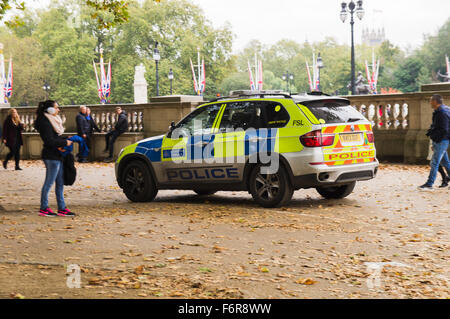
{"x": 11, "y": 133}
{"x": 82, "y": 124}
{"x": 51, "y": 140}
{"x": 92, "y": 126}
{"x": 440, "y": 127}
{"x": 122, "y": 123}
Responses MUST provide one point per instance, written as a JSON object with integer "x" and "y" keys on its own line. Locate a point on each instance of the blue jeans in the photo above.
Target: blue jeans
{"x": 54, "y": 173}
{"x": 439, "y": 156}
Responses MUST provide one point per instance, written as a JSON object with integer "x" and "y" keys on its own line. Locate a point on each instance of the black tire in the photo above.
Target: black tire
{"x": 138, "y": 184}
{"x": 270, "y": 190}
{"x": 204, "y": 192}
{"x": 336, "y": 192}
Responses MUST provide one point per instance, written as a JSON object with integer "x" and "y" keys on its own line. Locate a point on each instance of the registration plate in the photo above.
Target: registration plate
{"x": 351, "y": 139}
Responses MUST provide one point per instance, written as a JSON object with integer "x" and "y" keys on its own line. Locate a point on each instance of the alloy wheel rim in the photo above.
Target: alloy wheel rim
{"x": 267, "y": 186}
{"x": 135, "y": 181}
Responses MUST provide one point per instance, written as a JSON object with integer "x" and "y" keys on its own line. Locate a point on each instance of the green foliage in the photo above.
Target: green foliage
{"x": 58, "y": 45}
{"x": 409, "y": 76}
{"x": 31, "y": 68}
{"x": 69, "y": 40}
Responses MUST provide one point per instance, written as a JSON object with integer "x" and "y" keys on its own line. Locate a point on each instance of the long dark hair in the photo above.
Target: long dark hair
{"x": 42, "y": 106}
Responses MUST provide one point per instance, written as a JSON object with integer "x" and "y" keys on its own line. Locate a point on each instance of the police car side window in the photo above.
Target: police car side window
{"x": 240, "y": 115}
{"x": 275, "y": 115}
{"x": 201, "y": 120}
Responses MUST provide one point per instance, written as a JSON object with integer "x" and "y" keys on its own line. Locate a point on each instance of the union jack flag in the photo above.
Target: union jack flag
{"x": 9, "y": 83}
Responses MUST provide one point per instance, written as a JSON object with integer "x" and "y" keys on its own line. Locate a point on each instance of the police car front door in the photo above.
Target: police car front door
{"x": 188, "y": 152}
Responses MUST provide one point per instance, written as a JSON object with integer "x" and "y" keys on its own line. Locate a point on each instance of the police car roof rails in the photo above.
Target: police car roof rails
{"x": 317, "y": 93}
{"x": 249, "y": 93}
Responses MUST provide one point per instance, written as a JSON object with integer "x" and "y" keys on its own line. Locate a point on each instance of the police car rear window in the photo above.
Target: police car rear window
{"x": 334, "y": 111}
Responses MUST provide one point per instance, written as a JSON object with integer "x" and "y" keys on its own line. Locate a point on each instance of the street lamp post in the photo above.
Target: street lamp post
{"x": 360, "y": 13}
{"x": 288, "y": 77}
{"x": 171, "y": 79}
{"x": 156, "y": 57}
{"x": 319, "y": 66}
{"x": 46, "y": 88}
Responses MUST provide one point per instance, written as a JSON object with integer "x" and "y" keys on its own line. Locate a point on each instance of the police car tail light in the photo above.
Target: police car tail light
{"x": 370, "y": 137}
{"x": 317, "y": 139}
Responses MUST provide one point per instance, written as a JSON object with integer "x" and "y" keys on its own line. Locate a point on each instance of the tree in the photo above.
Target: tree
{"x": 409, "y": 75}
{"x": 31, "y": 68}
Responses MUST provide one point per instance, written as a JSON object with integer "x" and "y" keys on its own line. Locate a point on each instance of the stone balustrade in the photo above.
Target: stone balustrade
{"x": 144, "y": 120}
{"x": 399, "y": 122}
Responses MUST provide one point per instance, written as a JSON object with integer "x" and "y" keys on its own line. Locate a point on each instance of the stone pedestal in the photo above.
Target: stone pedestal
{"x": 140, "y": 85}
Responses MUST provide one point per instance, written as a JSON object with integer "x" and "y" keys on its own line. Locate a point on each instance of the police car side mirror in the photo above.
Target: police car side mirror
{"x": 171, "y": 128}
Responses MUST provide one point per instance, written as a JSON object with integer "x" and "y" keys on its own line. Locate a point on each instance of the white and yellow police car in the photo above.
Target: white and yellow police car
{"x": 268, "y": 143}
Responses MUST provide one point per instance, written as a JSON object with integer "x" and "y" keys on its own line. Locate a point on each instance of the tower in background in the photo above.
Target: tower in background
{"x": 373, "y": 37}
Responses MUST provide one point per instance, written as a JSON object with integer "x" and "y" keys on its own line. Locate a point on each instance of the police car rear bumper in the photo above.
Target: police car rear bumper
{"x": 324, "y": 175}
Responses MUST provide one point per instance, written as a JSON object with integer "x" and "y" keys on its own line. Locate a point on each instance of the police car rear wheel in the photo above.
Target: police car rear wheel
{"x": 204, "y": 192}
{"x": 270, "y": 190}
{"x": 138, "y": 184}
{"x": 336, "y": 192}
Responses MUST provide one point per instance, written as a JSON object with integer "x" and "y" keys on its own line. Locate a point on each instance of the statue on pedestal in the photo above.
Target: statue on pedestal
{"x": 360, "y": 86}
{"x": 140, "y": 85}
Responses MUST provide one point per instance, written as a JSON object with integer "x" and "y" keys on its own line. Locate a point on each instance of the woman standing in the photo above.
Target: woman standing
{"x": 50, "y": 127}
{"x": 12, "y": 137}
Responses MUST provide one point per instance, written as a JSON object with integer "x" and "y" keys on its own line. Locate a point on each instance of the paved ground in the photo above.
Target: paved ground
{"x": 386, "y": 240}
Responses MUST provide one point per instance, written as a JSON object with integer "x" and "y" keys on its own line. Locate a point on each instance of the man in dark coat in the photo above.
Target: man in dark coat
{"x": 118, "y": 129}
{"x": 83, "y": 130}
{"x": 439, "y": 133}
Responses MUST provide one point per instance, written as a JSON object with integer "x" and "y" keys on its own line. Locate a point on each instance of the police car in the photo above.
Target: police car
{"x": 268, "y": 143}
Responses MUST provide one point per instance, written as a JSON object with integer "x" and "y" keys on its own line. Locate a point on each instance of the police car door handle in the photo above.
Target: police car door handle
{"x": 255, "y": 139}
{"x": 201, "y": 143}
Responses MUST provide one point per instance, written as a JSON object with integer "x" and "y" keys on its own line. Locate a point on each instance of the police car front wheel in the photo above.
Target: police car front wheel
{"x": 270, "y": 189}
{"x": 138, "y": 184}
{"x": 336, "y": 192}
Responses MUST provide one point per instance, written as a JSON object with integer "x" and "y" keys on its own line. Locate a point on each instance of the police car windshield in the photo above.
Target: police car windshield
{"x": 333, "y": 111}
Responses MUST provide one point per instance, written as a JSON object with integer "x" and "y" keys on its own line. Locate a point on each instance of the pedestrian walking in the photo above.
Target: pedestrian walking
{"x": 445, "y": 176}
{"x": 83, "y": 129}
{"x": 49, "y": 125}
{"x": 12, "y": 137}
{"x": 439, "y": 133}
{"x": 118, "y": 129}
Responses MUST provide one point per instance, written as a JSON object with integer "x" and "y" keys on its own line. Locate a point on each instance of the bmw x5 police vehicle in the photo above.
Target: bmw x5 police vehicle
{"x": 268, "y": 143}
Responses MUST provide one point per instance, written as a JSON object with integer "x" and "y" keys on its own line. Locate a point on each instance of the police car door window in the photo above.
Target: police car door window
{"x": 239, "y": 115}
{"x": 334, "y": 112}
{"x": 200, "y": 121}
{"x": 275, "y": 115}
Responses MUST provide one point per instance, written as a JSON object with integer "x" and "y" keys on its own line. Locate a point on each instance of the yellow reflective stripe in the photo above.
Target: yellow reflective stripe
{"x": 127, "y": 150}
{"x": 215, "y": 127}
{"x": 229, "y": 144}
{"x": 170, "y": 144}
{"x": 288, "y": 139}
{"x": 308, "y": 114}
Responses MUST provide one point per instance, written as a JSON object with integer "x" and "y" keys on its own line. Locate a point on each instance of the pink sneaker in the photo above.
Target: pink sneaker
{"x": 47, "y": 212}
{"x": 65, "y": 213}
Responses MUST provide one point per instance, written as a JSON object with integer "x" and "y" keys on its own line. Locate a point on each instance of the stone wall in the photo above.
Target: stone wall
{"x": 400, "y": 122}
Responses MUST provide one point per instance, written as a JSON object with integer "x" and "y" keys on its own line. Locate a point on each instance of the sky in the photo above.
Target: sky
{"x": 405, "y": 21}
